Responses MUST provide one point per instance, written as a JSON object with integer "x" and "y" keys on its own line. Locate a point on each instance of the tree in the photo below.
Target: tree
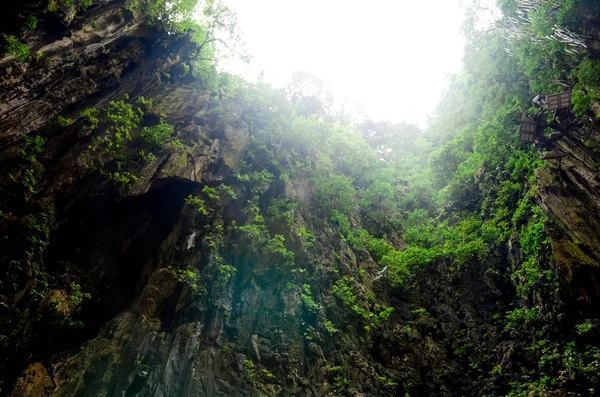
{"x": 218, "y": 24}
{"x": 309, "y": 96}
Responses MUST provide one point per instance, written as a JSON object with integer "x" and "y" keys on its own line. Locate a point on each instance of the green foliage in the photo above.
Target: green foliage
{"x": 16, "y": 48}
{"x": 186, "y": 276}
{"x": 463, "y": 349}
{"x": 64, "y": 122}
{"x": 400, "y": 263}
{"x": 27, "y": 180}
{"x": 497, "y": 370}
{"x": 341, "y": 221}
{"x": 260, "y": 242}
{"x": 33, "y": 147}
{"x": 228, "y": 191}
{"x": 276, "y": 246}
{"x": 58, "y": 5}
{"x": 123, "y": 177}
{"x": 386, "y": 313}
{"x": 379, "y": 248}
{"x": 582, "y": 362}
{"x": 282, "y": 208}
{"x": 198, "y": 205}
{"x": 249, "y": 370}
{"x": 122, "y": 119}
{"x": 329, "y": 327}
{"x": 210, "y": 193}
{"x": 456, "y": 194}
{"x": 307, "y": 236}
{"x": 117, "y": 122}
{"x": 176, "y": 16}
{"x": 585, "y": 327}
{"x": 146, "y": 158}
{"x": 587, "y": 89}
{"x": 344, "y": 291}
{"x": 260, "y": 181}
{"x": 31, "y": 22}
{"x": 225, "y": 272}
{"x": 588, "y": 74}
{"x": 380, "y": 203}
{"x": 520, "y": 316}
{"x": 532, "y": 237}
{"x": 334, "y": 192}
{"x": 91, "y": 115}
{"x": 534, "y": 273}
{"x": 76, "y": 297}
{"x": 307, "y": 299}
{"x": 160, "y": 135}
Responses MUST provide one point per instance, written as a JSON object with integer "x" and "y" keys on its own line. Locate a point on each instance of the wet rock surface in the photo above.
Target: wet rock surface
{"x": 146, "y": 332}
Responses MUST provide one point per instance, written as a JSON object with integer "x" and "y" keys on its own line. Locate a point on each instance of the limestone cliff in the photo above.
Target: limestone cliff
{"x": 116, "y": 283}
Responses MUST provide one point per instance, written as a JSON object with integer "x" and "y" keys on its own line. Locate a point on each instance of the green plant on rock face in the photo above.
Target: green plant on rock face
{"x": 386, "y": 313}
{"x": 210, "y": 193}
{"x": 335, "y": 192}
{"x": 276, "y": 247}
{"x": 186, "y": 276}
{"x": 31, "y": 22}
{"x": 76, "y": 297}
{"x": 307, "y": 236}
{"x": 122, "y": 119}
{"x": 260, "y": 242}
{"x": 91, "y": 115}
{"x": 249, "y": 370}
{"x": 282, "y": 208}
{"x": 228, "y": 191}
{"x": 64, "y": 121}
{"x": 33, "y": 147}
{"x": 259, "y": 181}
{"x": 497, "y": 370}
{"x": 124, "y": 177}
{"x": 159, "y": 135}
{"x": 56, "y": 5}
{"x": 308, "y": 300}
{"x": 74, "y": 324}
{"x": 341, "y": 383}
{"x": 225, "y": 271}
{"x": 344, "y": 291}
{"x": 143, "y": 371}
{"x": 146, "y": 158}
{"x": 585, "y": 327}
{"x": 463, "y": 349}
{"x": 16, "y": 48}
{"x": 329, "y": 327}
{"x": 28, "y": 180}
{"x": 520, "y": 316}
{"x": 198, "y": 205}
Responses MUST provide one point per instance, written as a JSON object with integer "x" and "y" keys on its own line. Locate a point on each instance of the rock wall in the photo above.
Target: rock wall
{"x": 147, "y": 328}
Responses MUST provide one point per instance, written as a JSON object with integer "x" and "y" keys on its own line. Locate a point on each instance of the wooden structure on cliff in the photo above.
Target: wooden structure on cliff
{"x": 558, "y": 101}
{"x": 532, "y": 128}
{"x": 527, "y": 130}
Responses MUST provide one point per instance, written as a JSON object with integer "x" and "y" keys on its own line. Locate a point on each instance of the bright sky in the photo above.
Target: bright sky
{"x": 391, "y": 56}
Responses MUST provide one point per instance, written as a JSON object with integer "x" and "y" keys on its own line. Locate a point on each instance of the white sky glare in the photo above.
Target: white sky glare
{"x": 391, "y": 56}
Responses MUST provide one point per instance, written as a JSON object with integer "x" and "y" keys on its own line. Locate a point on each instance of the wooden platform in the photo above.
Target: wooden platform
{"x": 559, "y": 101}
{"x": 527, "y": 130}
